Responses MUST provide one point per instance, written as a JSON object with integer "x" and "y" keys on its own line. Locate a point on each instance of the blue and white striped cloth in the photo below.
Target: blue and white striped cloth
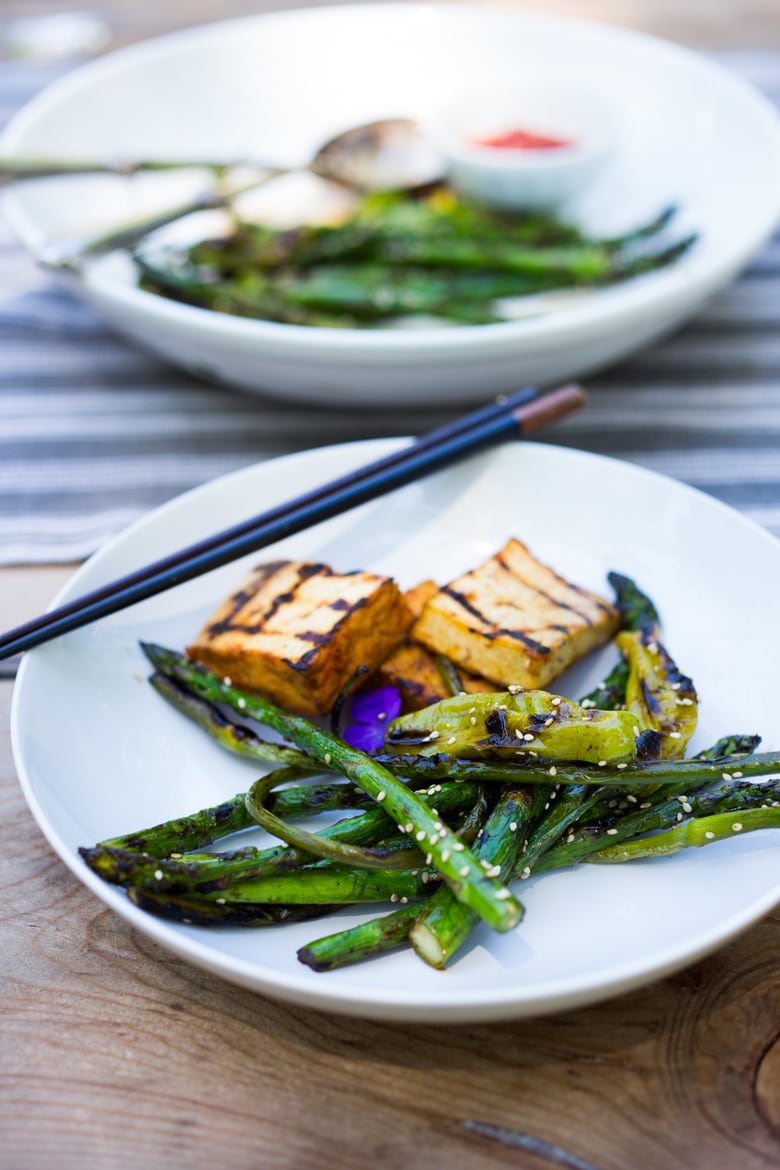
{"x": 94, "y": 432}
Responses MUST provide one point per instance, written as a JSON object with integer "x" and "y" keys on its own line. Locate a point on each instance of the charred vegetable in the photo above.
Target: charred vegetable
{"x": 518, "y": 726}
{"x": 399, "y": 254}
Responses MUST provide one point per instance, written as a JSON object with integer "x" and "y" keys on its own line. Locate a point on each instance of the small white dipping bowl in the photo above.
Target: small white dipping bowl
{"x": 515, "y": 178}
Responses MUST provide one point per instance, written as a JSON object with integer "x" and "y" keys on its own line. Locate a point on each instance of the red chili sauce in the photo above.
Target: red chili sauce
{"x": 523, "y": 140}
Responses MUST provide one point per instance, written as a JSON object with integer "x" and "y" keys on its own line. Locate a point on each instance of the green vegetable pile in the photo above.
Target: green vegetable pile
{"x": 469, "y": 795}
{"x": 400, "y": 255}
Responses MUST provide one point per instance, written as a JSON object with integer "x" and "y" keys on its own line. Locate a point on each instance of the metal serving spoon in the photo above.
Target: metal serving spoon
{"x": 391, "y": 154}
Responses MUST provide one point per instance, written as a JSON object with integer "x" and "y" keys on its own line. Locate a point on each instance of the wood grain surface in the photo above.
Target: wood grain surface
{"x": 117, "y": 1054}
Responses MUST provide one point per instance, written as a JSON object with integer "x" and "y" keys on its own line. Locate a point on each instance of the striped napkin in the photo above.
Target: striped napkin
{"x": 94, "y": 432}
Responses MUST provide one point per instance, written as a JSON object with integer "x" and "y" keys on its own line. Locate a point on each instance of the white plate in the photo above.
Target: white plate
{"x": 99, "y": 753}
{"x": 280, "y": 84}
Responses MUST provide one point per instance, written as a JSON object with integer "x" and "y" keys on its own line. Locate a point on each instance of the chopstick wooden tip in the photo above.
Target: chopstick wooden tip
{"x": 548, "y": 408}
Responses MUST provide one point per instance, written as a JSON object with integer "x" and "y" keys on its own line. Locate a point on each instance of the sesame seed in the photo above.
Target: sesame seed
{"x": 737, "y": 775}
{"x": 518, "y": 733}
{"x": 221, "y": 901}
{"x": 674, "y": 735}
{"x": 621, "y": 767}
{"x": 676, "y": 686}
{"x": 382, "y": 716}
{"x": 187, "y": 921}
{"x": 434, "y": 838}
{"x": 553, "y": 771}
{"x": 420, "y": 835}
{"x": 458, "y": 846}
{"x": 409, "y": 826}
{"x": 473, "y": 721}
{"x": 425, "y": 878}
{"x": 556, "y": 702}
{"x": 637, "y": 732}
{"x": 404, "y": 898}
{"x": 242, "y": 703}
{"x": 612, "y": 804}
{"x": 415, "y": 872}
{"x": 513, "y": 826}
{"x": 514, "y": 689}
{"x": 485, "y": 864}
{"x": 646, "y": 804}
{"x": 528, "y": 737}
{"x": 611, "y": 832}
{"x": 685, "y": 702}
{"x": 652, "y": 647}
{"x": 602, "y": 763}
{"x": 631, "y": 798}
{"x": 438, "y": 826}
{"x": 726, "y": 775}
{"x": 464, "y": 871}
{"x": 548, "y": 722}
{"x": 503, "y": 894}
{"x": 394, "y": 897}
{"x": 452, "y": 739}
{"x": 428, "y": 858}
{"x": 227, "y": 681}
{"x": 434, "y": 735}
{"x": 442, "y": 833}
{"x": 158, "y": 873}
{"x": 586, "y": 704}
{"x": 494, "y": 871}
{"x": 686, "y": 807}
{"x": 570, "y": 838}
{"x": 327, "y": 757}
{"x": 176, "y": 856}
{"x": 679, "y": 816}
{"x": 710, "y": 836}
{"x": 381, "y": 795}
{"x": 736, "y": 827}
{"x": 445, "y": 855}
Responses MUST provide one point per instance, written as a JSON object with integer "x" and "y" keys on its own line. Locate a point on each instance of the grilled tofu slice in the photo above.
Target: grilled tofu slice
{"x": 412, "y": 669}
{"x": 297, "y": 631}
{"x": 514, "y": 620}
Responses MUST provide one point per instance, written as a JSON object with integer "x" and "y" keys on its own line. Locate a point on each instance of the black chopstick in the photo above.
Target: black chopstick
{"x": 519, "y": 414}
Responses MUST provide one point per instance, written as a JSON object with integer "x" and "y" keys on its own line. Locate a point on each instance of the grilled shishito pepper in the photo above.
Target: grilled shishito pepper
{"x": 662, "y": 698}
{"x": 518, "y": 725}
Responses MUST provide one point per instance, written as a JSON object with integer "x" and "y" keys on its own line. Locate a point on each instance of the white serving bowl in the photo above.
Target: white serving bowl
{"x": 521, "y": 178}
{"x": 281, "y": 84}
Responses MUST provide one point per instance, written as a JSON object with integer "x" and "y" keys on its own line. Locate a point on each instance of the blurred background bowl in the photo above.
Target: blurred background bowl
{"x": 279, "y": 85}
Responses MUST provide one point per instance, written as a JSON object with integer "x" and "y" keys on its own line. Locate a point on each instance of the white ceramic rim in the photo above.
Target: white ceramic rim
{"x": 690, "y": 280}
{"x": 561, "y": 995}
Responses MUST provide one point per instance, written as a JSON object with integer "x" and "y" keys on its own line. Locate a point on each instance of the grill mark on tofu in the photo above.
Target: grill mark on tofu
{"x": 547, "y": 596}
{"x": 239, "y": 599}
{"x": 305, "y": 573}
{"x": 519, "y": 635}
{"x": 607, "y": 609}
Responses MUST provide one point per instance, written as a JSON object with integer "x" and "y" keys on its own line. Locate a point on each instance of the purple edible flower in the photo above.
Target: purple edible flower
{"x": 371, "y": 713}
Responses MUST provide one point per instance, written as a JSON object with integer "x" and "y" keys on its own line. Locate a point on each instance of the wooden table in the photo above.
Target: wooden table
{"x": 116, "y": 1053}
